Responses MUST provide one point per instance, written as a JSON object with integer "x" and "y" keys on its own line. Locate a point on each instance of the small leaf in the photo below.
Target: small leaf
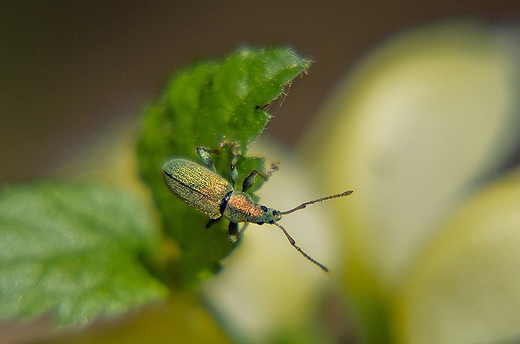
{"x": 201, "y": 105}
{"x": 72, "y": 251}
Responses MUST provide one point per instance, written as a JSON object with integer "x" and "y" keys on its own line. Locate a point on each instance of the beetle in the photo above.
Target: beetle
{"x": 203, "y": 189}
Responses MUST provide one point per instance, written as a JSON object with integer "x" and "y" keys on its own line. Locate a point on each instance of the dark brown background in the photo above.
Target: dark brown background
{"x": 68, "y": 70}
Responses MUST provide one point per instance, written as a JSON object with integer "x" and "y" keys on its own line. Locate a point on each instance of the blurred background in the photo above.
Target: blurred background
{"x": 421, "y": 125}
{"x": 68, "y": 69}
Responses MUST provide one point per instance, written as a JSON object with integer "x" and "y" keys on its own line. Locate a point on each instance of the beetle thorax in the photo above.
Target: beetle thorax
{"x": 242, "y": 208}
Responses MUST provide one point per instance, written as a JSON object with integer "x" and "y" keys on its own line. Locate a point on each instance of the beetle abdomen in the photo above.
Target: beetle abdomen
{"x": 201, "y": 188}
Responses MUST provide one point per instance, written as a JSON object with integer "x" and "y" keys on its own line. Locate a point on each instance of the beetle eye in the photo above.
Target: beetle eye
{"x": 264, "y": 208}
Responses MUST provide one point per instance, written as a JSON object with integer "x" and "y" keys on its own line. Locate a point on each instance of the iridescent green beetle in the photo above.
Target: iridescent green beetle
{"x": 203, "y": 189}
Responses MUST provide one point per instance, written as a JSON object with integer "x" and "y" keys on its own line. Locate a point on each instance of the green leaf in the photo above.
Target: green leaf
{"x": 202, "y": 104}
{"x": 72, "y": 251}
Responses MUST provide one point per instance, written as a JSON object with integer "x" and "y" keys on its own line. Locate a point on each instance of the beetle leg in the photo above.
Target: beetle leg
{"x": 205, "y": 156}
{"x": 274, "y": 167}
{"x": 205, "y": 153}
{"x": 233, "y": 232}
{"x": 232, "y": 167}
{"x": 250, "y": 179}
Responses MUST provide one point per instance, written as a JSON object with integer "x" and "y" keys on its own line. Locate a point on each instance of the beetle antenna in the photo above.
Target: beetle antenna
{"x": 304, "y": 205}
{"x": 293, "y": 243}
